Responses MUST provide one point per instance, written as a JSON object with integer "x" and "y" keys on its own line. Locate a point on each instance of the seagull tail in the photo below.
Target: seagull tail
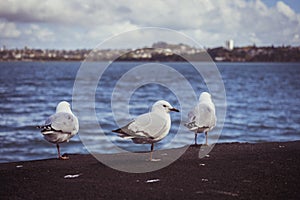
{"x": 119, "y": 130}
{"x": 122, "y": 133}
{"x": 41, "y": 126}
{"x": 190, "y": 125}
{"x": 47, "y": 129}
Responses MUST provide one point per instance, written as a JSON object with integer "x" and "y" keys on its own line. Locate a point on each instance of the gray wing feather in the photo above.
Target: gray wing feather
{"x": 205, "y": 115}
{"x": 202, "y": 116}
{"x": 149, "y": 125}
{"x": 64, "y": 122}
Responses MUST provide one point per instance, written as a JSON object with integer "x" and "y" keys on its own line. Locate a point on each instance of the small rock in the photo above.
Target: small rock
{"x": 152, "y": 180}
{"x": 72, "y": 176}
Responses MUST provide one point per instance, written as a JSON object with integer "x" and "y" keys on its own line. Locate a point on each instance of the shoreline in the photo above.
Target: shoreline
{"x": 232, "y": 170}
{"x": 142, "y": 61}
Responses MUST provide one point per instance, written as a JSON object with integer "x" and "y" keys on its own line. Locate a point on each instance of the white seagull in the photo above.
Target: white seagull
{"x": 61, "y": 126}
{"x": 203, "y": 117}
{"x": 151, "y": 127}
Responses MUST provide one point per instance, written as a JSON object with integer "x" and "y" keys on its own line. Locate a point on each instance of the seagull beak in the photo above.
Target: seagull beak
{"x": 174, "y": 109}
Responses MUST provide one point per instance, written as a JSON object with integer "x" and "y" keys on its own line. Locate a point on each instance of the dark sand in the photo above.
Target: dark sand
{"x": 232, "y": 171}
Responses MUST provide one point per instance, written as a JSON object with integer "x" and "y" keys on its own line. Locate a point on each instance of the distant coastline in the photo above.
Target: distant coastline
{"x": 160, "y": 51}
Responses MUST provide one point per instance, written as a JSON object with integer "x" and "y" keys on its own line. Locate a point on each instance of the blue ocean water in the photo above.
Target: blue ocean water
{"x": 263, "y": 104}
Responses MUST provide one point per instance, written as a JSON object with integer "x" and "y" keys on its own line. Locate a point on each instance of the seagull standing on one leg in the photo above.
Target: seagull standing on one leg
{"x": 61, "y": 126}
{"x": 151, "y": 127}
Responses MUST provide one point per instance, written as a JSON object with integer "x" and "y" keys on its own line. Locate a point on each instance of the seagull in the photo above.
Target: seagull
{"x": 61, "y": 126}
{"x": 203, "y": 117}
{"x": 151, "y": 127}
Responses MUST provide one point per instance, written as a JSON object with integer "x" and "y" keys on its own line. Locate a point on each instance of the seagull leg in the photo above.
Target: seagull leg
{"x": 58, "y": 151}
{"x": 151, "y": 152}
{"x": 195, "y": 138}
{"x": 206, "y": 142}
{"x": 59, "y": 156}
{"x": 152, "y": 147}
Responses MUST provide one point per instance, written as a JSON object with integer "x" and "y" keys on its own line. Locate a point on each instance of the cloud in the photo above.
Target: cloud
{"x": 210, "y": 22}
{"x": 8, "y": 30}
{"x": 97, "y": 32}
{"x": 285, "y": 9}
{"x": 42, "y": 34}
{"x": 28, "y": 11}
{"x": 76, "y": 12}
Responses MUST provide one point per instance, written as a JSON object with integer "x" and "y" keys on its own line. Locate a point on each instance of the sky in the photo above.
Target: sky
{"x": 77, "y": 24}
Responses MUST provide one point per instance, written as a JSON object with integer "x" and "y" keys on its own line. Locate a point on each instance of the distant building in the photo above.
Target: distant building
{"x": 3, "y": 48}
{"x": 229, "y": 44}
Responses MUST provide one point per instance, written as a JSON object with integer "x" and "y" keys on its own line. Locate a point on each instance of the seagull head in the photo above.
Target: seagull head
{"x": 63, "y": 106}
{"x": 205, "y": 96}
{"x": 163, "y": 106}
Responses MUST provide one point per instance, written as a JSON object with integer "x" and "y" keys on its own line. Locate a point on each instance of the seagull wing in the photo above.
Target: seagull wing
{"x": 149, "y": 125}
{"x": 202, "y": 116}
{"x": 205, "y": 115}
{"x": 61, "y": 122}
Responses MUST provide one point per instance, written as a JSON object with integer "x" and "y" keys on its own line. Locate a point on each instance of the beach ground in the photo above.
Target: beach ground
{"x": 231, "y": 171}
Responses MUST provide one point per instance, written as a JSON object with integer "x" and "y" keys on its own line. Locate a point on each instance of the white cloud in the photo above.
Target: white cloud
{"x": 76, "y": 12}
{"x": 285, "y": 9}
{"x": 39, "y": 33}
{"x": 209, "y": 22}
{"x": 101, "y": 32}
{"x": 8, "y": 30}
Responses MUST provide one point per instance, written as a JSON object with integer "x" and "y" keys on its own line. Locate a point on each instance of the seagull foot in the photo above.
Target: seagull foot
{"x": 63, "y": 158}
{"x": 155, "y": 160}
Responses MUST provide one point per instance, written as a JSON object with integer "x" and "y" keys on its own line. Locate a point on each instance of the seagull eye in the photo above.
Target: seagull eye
{"x": 164, "y": 106}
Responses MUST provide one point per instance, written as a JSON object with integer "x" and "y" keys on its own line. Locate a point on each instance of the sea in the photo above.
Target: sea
{"x": 255, "y": 102}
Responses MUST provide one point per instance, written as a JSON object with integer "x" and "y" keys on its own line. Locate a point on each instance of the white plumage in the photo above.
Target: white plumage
{"x": 61, "y": 126}
{"x": 203, "y": 117}
{"x": 151, "y": 127}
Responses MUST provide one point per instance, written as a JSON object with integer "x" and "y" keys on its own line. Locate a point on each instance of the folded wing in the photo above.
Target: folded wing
{"x": 202, "y": 116}
{"x": 61, "y": 122}
{"x": 147, "y": 126}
